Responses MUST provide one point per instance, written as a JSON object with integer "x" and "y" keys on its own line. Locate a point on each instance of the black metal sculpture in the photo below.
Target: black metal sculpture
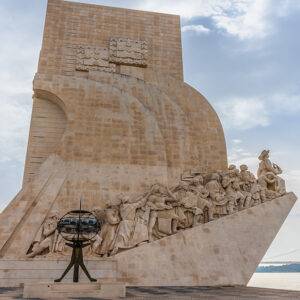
{"x": 78, "y": 227}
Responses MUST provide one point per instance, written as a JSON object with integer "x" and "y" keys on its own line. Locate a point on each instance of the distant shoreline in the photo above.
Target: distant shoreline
{"x": 287, "y": 268}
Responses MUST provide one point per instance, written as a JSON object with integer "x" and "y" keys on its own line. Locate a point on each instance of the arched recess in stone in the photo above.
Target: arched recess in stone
{"x": 48, "y": 124}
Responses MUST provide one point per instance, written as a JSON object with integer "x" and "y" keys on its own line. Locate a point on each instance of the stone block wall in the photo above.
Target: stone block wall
{"x": 111, "y": 114}
{"x": 71, "y": 25}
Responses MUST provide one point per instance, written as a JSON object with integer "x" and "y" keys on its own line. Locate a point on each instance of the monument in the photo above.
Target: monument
{"x": 113, "y": 122}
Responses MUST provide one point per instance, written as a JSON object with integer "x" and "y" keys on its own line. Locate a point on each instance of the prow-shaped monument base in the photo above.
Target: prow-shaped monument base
{"x": 226, "y": 251}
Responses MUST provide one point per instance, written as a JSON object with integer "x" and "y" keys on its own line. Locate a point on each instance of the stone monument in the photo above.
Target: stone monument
{"x": 113, "y": 122}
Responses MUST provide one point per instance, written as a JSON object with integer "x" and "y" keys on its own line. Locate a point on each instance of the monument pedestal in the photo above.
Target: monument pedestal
{"x": 72, "y": 290}
{"x": 14, "y": 273}
{"x": 222, "y": 252}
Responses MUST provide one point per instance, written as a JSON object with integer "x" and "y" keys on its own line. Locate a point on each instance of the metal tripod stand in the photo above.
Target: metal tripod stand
{"x": 78, "y": 227}
{"x": 76, "y": 261}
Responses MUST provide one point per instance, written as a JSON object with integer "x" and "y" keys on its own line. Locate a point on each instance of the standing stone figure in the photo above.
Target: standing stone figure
{"x": 217, "y": 194}
{"x": 231, "y": 184}
{"x": 126, "y": 226}
{"x": 104, "y": 241}
{"x": 197, "y": 187}
{"x": 140, "y": 233}
{"x": 162, "y": 214}
{"x": 188, "y": 206}
{"x": 247, "y": 185}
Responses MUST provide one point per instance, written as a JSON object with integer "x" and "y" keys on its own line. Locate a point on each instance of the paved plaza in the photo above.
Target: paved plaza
{"x": 185, "y": 293}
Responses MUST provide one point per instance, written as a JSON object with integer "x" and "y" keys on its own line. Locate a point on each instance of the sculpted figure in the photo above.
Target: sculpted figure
{"x": 187, "y": 206}
{"x": 163, "y": 217}
{"x": 203, "y": 202}
{"x": 126, "y": 226}
{"x": 47, "y": 238}
{"x": 217, "y": 194}
{"x": 268, "y": 178}
{"x": 249, "y": 187}
{"x": 141, "y": 234}
{"x": 231, "y": 183}
{"x": 266, "y": 166}
{"x": 256, "y": 194}
{"x": 104, "y": 241}
{"x": 272, "y": 186}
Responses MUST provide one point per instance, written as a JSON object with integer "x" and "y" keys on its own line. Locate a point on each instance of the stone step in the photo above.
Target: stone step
{"x": 71, "y": 290}
{"x": 15, "y": 272}
{"x": 73, "y": 287}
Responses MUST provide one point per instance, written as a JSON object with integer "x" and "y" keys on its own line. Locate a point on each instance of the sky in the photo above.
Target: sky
{"x": 242, "y": 55}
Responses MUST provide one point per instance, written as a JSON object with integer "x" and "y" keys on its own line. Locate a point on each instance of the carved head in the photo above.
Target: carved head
{"x": 123, "y": 199}
{"x": 233, "y": 170}
{"x": 231, "y": 167}
{"x": 264, "y": 154}
{"x": 156, "y": 188}
{"x": 215, "y": 176}
{"x": 243, "y": 168}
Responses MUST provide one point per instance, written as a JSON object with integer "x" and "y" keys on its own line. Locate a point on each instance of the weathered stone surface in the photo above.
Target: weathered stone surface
{"x": 15, "y": 272}
{"x": 96, "y": 133}
{"x": 128, "y": 52}
{"x": 120, "y": 120}
{"x": 222, "y": 252}
{"x": 72, "y": 290}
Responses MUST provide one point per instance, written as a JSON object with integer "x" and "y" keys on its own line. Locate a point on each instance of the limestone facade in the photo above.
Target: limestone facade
{"x": 109, "y": 97}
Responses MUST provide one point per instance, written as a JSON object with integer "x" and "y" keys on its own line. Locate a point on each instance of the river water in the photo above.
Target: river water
{"x": 286, "y": 281}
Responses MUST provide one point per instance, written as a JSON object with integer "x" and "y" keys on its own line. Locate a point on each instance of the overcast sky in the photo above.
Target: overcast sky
{"x": 242, "y": 55}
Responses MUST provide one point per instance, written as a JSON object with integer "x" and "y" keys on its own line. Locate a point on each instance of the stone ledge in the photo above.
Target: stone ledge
{"x": 71, "y": 290}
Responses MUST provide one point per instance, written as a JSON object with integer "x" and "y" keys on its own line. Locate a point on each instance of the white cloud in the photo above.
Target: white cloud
{"x": 237, "y": 141}
{"x": 237, "y": 155}
{"x": 245, "y": 19}
{"x": 242, "y": 113}
{"x": 241, "y": 18}
{"x": 186, "y": 8}
{"x": 198, "y": 29}
{"x": 249, "y": 20}
{"x": 285, "y": 103}
{"x": 246, "y": 113}
{"x": 18, "y": 59}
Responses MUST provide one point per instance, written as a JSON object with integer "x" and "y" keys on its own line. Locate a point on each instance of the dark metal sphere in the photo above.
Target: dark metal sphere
{"x": 78, "y": 225}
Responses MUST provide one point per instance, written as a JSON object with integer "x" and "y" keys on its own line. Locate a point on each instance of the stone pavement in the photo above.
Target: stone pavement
{"x": 186, "y": 293}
